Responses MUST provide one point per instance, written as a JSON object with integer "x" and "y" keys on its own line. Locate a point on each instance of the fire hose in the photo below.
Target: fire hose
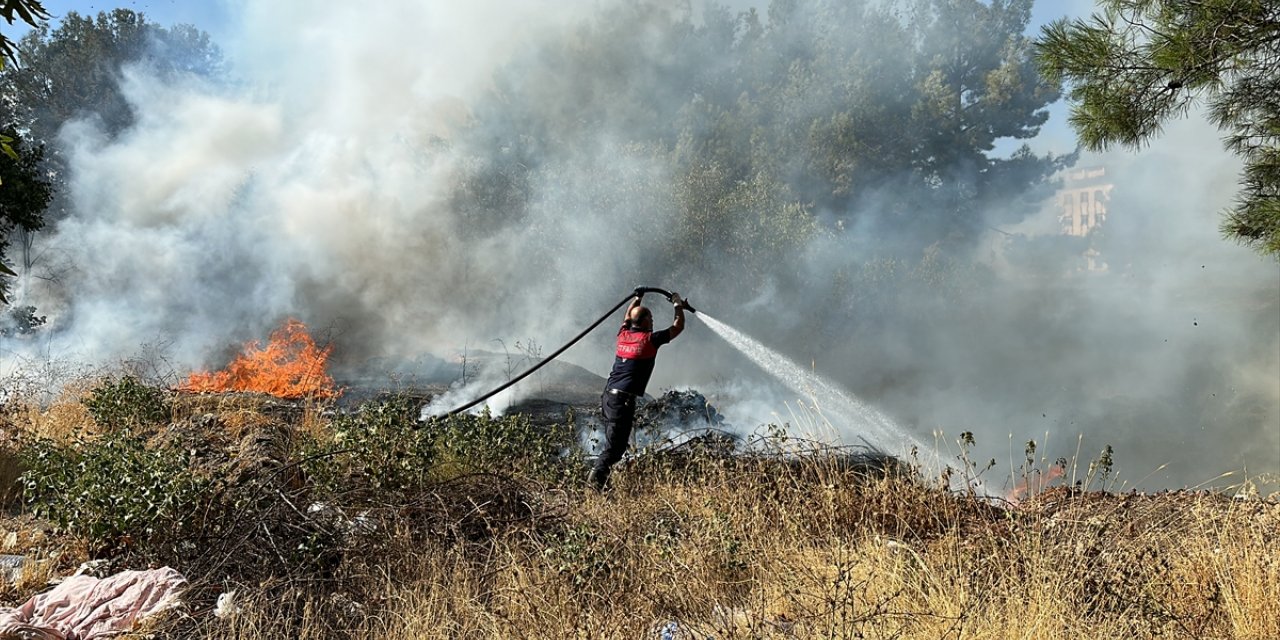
{"x": 639, "y": 291}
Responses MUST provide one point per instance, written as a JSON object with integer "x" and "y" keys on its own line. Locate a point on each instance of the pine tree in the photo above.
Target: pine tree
{"x": 1139, "y": 63}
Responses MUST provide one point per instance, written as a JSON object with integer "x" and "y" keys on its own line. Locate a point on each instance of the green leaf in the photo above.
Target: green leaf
{"x": 8, "y": 150}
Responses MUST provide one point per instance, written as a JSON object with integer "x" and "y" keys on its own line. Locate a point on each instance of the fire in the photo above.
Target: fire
{"x": 1031, "y": 486}
{"x": 289, "y": 366}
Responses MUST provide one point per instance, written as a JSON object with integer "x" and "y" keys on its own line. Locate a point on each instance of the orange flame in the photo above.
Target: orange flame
{"x": 290, "y": 366}
{"x": 1033, "y": 485}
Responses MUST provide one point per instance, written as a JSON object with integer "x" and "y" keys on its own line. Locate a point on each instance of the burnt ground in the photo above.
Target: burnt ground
{"x": 555, "y": 387}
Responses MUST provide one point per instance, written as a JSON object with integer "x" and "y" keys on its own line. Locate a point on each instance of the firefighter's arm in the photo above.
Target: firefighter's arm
{"x": 677, "y": 324}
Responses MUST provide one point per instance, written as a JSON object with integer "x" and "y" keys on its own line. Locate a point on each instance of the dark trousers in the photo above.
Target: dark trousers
{"x": 619, "y": 412}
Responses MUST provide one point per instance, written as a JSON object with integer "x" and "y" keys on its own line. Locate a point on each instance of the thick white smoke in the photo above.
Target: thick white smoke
{"x": 314, "y": 184}
{"x": 319, "y": 181}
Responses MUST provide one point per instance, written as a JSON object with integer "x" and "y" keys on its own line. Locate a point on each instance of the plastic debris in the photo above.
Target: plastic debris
{"x": 226, "y": 606}
{"x": 83, "y": 607}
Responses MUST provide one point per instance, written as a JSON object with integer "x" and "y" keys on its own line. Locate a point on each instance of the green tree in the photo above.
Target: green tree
{"x": 840, "y": 110}
{"x": 1138, "y": 63}
{"x": 74, "y": 71}
{"x": 29, "y": 11}
{"x": 920, "y": 100}
{"x": 23, "y": 199}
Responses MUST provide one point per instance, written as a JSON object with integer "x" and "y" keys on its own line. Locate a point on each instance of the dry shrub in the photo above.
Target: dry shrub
{"x": 697, "y": 542}
{"x": 47, "y": 555}
{"x": 11, "y": 469}
{"x": 731, "y": 556}
{"x": 316, "y": 419}
{"x": 188, "y": 405}
{"x": 311, "y": 417}
{"x": 241, "y": 422}
{"x": 62, "y": 420}
{"x": 768, "y": 548}
{"x": 1232, "y": 560}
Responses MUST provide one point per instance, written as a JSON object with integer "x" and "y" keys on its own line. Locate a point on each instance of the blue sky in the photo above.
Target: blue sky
{"x": 210, "y": 15}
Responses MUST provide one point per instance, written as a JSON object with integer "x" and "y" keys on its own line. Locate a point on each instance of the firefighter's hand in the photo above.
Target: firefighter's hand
{"x": 677, "y": 300}
{"x": 638, "y": 293}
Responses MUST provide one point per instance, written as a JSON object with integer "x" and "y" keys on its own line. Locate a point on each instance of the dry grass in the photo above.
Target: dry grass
{"x": 766, "y": 551}
{"x": 709, "y": 546}
{"x": 61, "y": 420}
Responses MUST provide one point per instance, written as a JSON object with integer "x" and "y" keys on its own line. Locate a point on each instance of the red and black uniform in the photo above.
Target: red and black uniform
{"x": 632, "y": 367}
{"x": 633, "y": 362}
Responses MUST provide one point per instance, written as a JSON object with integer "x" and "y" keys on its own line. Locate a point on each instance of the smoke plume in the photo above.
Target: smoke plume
{"x": 343, "y": 173}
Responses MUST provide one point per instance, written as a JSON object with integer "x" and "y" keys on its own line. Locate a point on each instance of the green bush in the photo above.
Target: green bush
{"x": 379, "y": 447}
{"x": 506, "y": 444}
{"x": 111, "y": 490}
{"x": 383, "y": 446}
{"x": 126, "y": 403}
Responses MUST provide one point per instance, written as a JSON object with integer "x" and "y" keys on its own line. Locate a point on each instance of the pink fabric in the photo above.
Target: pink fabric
{"x": 84, "y": 607}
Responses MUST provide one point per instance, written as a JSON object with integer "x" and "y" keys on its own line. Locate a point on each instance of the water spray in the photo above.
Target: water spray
{"x": 882, "y": 428}
{"x": 637, "y": 293}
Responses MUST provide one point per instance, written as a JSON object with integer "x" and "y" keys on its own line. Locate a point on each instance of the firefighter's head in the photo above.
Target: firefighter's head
{"x": 641, "y": 318}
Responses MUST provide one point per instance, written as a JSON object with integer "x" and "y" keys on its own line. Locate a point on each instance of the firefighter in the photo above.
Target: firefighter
{"x": 637, "y": 350}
